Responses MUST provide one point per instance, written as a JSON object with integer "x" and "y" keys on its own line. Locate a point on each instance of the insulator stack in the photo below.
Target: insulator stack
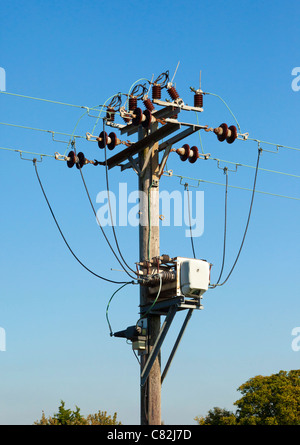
{"x": 156, "y": 92}
{"x": 185, "y": 152}
{"x": 198, "y": 100}
{"x": 110, "y": 114}
{"x": 148, "y": 104}
{"x": 173, "y": 93}
{"x": 111, "y": 140}
{"x": 132, "y": 103}
{"x": 145, "y": 118}
{"x": 224, "y": 132}
{"x": 79, "y": 160}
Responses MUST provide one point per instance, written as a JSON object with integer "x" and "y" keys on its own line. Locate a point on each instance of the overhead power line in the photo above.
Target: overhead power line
{"x": 63, "y": 237}
{"x": 169, "y": 173}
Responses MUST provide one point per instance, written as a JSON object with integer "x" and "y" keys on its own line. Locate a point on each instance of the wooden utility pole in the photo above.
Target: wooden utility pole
{"x": 149, "y": 248}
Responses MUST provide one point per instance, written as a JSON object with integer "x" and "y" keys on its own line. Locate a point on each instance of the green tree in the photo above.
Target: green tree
{"x": 266, "y": 400}
{"x": 68, "y": 417}
{"x": 217, "y": 416}
{"x": 271, "y": 400}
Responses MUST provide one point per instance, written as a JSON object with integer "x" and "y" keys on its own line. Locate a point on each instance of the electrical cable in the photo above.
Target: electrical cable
{"x": 247, "y": 225}
{"x": 99, "y": 224}
{"x": 63, "y": 237}
{"x": 219, "y": 97}
{"x": 169, "y": 174}
{"x": 189, "y": 210}
{"x": 225, "y": 229}
{"x": 42, "y": 100}
{"x": 109, "y": 204}
{"x": 41, "y": 129}
{"x": 154, "y": 302}
{"x": 108, "y": 304}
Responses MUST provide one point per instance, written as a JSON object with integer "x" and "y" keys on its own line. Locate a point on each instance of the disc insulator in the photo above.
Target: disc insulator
{"x": 223, "y": 136}
{"x": 72, "y": 159}
{"x": 185, "y": 156}
{"x": 103, "y": 142}
{"x": 138, "y": 116}
{"x": 230, "y": 139}
{"x": 113, "y": 141}
{"x": 147, "y": 122}
{"x": 81, "y": 160}
{"x": 195, "y": 155}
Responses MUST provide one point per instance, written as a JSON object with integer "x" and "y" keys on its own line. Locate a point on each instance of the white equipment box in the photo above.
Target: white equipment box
{"x": 193, "y": 277}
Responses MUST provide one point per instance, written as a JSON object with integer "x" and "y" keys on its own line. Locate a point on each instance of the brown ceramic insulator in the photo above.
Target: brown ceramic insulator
{"x": 113, "y": 141}
{"x": 186, "y": 154}
{"x": 72, "y": 159}
{"x": 230, "y": 139}
{"x": 110, "y": 115}
{"x": 195, "y": 156}
{"x": 223, "y": 136}
{"x": 148, "y": 104}
{"x": 173, "y": 93}
{"x": 132, "y": 103}
{"x": 103, "y": 139}
{"x": 81, "y": 160}
{"x": 198, "y": 100}
{"x": 156, "y": 92}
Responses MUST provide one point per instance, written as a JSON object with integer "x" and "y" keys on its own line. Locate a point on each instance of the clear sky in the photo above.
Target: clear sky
{"x": 53, "y": 311}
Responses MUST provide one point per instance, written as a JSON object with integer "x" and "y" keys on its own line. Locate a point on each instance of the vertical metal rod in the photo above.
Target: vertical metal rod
{"x": 168, "y": 364}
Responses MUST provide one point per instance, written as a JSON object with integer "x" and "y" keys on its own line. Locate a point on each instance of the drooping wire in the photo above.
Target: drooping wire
{"x": 225, "y": 228}
{"x": 109, "y": 204}
{"x": 63, "y": 237}
{"x": 227, "y": 106}
{"x": 247, "y": 225}
{"x": 190, "y": 223}
{"x": 108, "y": 304}
{"x": 99, "y": 223}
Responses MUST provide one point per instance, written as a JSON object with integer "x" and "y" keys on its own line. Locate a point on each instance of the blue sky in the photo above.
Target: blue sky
{"x": 53, "y": 312}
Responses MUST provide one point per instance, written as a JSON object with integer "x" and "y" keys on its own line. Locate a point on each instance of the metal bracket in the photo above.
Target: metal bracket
{"x": 176, "y": 305}
{"x": 158, "y": 343}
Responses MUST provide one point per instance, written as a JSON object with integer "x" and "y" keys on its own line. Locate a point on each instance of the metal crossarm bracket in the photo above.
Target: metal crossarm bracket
{"x": 140, "y": 145}
{"x": 185, "y": 323}
{"x": 158, "y": 343}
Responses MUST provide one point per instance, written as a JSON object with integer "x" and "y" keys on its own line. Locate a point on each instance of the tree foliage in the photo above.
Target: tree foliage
{"x": 266, "y": 400}
{"x": 68, "y": 417}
